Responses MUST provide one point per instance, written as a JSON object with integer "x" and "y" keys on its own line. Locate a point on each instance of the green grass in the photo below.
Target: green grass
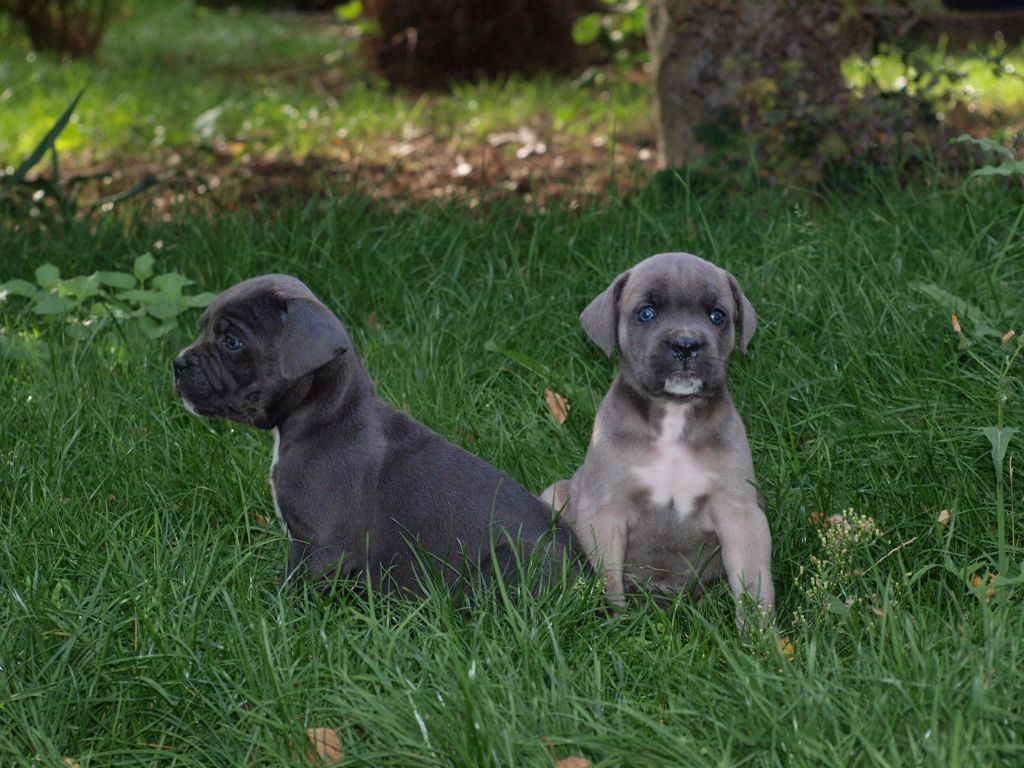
{"x": 139, "y": 618}
{"x": 170, "y": 75}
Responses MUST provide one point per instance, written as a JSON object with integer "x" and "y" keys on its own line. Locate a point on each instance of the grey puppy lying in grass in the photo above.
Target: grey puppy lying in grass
{"x": 358, "y": 485}
{"x": 666, "y": 496}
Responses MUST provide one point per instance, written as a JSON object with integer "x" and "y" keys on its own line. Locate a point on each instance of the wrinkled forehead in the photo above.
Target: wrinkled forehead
{"x": 679, "y": 280}
{"x": 251, "y": 299}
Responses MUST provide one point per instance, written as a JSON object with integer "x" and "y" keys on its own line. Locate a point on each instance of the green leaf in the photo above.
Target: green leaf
{"x": 1007, "y": 168}
{"x": 165, "y": 310}
{"x": 48, "y": 303}
{"x": 953, "y": 303}
{"x": 170, "y": 284}
{"x": 200, "y": 300}
{"x": 586, "y": 29}
{"x": 1000, "y": 440}
{"x": 18, "y": 287}
{"x": 143, "y": 267}
{"x": 838, "y": 607}
{"x": 45, "y": 145}
{"x": 47, "y": 276}
{"x": 121, "y": 280}
{"x": 987, "y": 145}
{"x": 349, "y": 11}
{"x": 140, "y": 296}
{"x": 81, "y": 287}
{"x": 154, "y": 330}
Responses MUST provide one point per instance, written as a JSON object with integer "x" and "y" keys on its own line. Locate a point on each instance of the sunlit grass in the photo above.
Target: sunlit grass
{"x": 173, "y": 75}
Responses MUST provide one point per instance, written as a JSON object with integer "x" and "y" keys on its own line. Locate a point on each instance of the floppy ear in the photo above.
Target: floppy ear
{"x": 601, "y": 317}
{"x": 311, "y": 338}
{"x": 746, "y": 317}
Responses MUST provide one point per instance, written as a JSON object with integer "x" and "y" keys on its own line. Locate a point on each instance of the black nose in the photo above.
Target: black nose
{"x": 685, "y": 348}
{"x": 180, "y": 364}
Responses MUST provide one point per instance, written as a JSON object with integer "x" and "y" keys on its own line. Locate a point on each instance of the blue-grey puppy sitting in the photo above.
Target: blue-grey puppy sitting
{"x": 666, "y": 496}
{"x": 357, "y": 484}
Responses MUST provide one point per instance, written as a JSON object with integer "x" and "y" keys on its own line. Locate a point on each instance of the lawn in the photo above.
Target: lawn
{"x": 140, "y": 622}
{"x": 263, "y": 103}
{"x": 274, "y": 85}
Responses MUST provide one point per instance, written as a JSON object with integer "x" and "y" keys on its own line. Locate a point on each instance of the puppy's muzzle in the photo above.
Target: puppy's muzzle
{"x": 685, "y": 348}
{"x": 190, "y": 376}
{"x": 180, "y": 366}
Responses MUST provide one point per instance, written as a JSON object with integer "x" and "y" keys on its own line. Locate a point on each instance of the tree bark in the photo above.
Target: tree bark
{"x": 711, "y": 57}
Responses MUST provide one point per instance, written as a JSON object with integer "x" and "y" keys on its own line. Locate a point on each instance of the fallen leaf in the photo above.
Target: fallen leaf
{"x": 956, "y": 324}
{"x": 262, "y": 520}
{"x": 944, "y": 518}
{"x": 462, "y": 167}
{"x": 837, "y": 520}
{"x": 1009, "y": 336}
{"x": 558, "y": 406}
{"x": 815, "y": 519}
{"x": 786, "y": 646}
{"x": 327, "y": 745}
{"x": 573, "y": 762}
{"x": 990, "y": 592}
{"x": 71, "y": 763}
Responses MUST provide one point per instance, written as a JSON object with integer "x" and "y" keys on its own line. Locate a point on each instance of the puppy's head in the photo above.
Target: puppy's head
{"x": 673, "y": 319}
{"x": 260, "y": 340}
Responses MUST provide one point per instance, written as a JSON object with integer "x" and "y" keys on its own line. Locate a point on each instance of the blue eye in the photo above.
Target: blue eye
{"x": 231, "y": 343}
{"x": 646, "y": 314}
{"x": 717, "y": 316}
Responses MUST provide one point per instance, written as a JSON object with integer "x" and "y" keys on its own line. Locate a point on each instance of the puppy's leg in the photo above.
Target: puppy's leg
{"x": 603, "y": 538}
{"x": 747, "y": 557}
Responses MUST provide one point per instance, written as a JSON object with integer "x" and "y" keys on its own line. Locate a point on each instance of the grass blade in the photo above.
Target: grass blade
{"x": 46, "y": 144}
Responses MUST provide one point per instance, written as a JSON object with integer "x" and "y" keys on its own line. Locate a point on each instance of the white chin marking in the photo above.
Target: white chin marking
{"x": 688, "y": 386}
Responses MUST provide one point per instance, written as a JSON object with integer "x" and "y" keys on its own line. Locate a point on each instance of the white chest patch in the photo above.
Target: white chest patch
{"x": 672, "y": 472}
{"x": 273, "y": 490}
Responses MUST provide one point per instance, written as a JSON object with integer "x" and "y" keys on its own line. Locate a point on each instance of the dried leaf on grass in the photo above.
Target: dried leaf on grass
{"x": 990, "y": 592}
{"x": 558, "y": 406}
{"x": 262, "y": 520}
{"x": 944, "y": 518}
{"x": 573, "y": 762}
{"x": 786, "y": 646}
{"x": 70, "y": 762}
{"x": 327, "y": 745}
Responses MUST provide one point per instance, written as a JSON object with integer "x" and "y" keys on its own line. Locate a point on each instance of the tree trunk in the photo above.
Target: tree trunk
{"x": 712, "y": 58}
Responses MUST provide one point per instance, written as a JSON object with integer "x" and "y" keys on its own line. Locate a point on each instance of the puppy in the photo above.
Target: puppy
{"x": 359, "y": 486}
{"x": 666, "y": 496}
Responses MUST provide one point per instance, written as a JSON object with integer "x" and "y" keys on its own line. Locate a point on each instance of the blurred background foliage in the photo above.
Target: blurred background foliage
{"x": 468, "y": 97}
